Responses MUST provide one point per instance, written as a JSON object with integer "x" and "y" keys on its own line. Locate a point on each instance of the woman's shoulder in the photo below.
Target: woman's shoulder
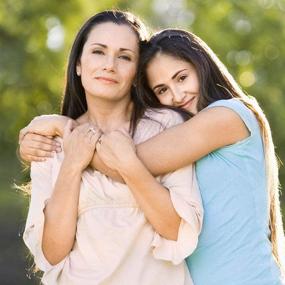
{"x": 155, "y": 121}
{"x": 166, "y": 117}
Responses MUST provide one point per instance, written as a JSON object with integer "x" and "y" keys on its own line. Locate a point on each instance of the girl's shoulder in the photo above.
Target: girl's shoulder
{"x": 232, "y": 108}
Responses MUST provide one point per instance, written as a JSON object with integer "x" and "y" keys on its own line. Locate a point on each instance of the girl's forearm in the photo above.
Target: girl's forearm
{"x": 61, "y": 214}
{"x": 59, "y": 125}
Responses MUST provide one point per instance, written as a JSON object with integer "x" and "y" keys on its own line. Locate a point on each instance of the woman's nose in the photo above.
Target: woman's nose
{"x": 109, "y": 64}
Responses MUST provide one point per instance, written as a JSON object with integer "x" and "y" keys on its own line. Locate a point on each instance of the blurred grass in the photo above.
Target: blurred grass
{"x": 14, "y": 264}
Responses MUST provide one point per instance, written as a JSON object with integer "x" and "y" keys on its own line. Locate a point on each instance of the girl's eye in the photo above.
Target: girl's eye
{"x": 125, "y": 57}
{"x": 162, "y": 90}
{"x": 97, "y": 52}
{"x": 182, "y": 78}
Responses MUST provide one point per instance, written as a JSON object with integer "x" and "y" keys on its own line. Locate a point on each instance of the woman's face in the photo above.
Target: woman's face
{"x": 108, "y": 63}
{"x": 174, "y": 81}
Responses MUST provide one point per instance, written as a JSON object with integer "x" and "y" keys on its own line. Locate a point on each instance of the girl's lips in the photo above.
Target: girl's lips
{"x": 189, "y": 102}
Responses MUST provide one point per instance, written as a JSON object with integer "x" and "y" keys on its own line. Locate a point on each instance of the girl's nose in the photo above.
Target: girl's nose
{"x": 178, "y": 96}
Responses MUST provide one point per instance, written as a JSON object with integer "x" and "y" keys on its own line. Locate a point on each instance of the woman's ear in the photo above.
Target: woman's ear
{"x": 78, "y": 69}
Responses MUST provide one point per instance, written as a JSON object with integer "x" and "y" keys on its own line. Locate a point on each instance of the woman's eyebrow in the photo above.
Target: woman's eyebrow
{"x": 105, "y": 46}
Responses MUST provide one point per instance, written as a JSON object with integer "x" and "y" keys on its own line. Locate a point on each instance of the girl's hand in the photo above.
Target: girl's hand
{"x": 46, "y": 125}
{"x": 34, "y": 147}
{"x": 36, "y": 141}
{"x": 79, "y": 144}
{"x": 117, "y": 150}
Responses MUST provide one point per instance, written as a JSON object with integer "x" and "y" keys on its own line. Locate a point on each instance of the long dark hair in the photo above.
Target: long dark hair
{"x": 74, "y": 100}
{"x": 215, "y": 83}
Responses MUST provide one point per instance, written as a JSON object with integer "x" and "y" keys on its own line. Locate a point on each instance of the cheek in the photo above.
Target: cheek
{"x": 86, "y": 66}
{"x": 166, "y": 100}
{"x": 129, "y": 74}
{"x": 196, "y": 84}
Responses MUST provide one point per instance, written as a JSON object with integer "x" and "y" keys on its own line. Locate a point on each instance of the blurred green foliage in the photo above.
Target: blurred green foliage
{"x": 35, "y": 38}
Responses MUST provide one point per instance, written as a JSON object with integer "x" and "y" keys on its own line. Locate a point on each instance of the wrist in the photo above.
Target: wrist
{"x": 130, "y": 167}
{"x": 72, "y": 167}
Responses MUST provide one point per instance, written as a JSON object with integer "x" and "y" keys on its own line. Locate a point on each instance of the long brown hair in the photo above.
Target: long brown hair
{"x": 216, "y": 83}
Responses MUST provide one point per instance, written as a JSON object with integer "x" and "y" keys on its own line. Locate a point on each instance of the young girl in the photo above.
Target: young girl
{"x": 85, "y": 228}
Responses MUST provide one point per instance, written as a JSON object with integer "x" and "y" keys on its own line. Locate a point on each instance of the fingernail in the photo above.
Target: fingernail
{"x": 58, "y": 149}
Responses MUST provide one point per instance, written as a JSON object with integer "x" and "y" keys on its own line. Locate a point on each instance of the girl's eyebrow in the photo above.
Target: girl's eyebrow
{"x": 173, "y": 77}
{"x": 178, "y": 73}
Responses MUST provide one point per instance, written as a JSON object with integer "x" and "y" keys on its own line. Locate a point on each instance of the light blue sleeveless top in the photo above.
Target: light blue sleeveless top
{"x": 233, "y": 247}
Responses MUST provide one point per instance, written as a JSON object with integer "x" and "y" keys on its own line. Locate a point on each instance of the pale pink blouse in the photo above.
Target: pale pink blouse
{"x": 115, "y": 245}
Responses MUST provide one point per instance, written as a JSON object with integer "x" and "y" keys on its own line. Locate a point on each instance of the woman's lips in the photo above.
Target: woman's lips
{"x": 106, "y": 80}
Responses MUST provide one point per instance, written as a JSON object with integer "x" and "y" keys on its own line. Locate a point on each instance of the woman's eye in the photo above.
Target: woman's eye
{"x": 125, "y": 57}
{"x": 97, "y": 52}
{"x": 182, "y": 78}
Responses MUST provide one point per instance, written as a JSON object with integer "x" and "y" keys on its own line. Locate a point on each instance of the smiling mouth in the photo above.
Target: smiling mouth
{"x": 106, "y": 80}
{"x": 186, "y": 103}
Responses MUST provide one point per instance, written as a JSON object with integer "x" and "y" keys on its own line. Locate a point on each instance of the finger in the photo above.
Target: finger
{"x": 35, "y": 158}
{"x": 40, "y": 153}
{"x": 31, "y": 154}
{"x": 99, "y": 142}
{"x": 22, "y": 134}
{"x": 40, "y": 142}
{"x": 42, "y": 139}
{"x": 95, "y": 137}
{"x": 41, "y": 146}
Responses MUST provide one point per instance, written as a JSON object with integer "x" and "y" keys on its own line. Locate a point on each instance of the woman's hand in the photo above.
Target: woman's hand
{"x": 79, "y": 144}
{"x": 117, "y": 150}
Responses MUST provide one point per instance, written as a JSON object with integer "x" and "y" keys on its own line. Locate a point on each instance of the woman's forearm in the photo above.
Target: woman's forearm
{"x": 61, "y": 214}
{"x": 97, "y": 164}
{"x": 186, "y": 143}
{"x": 153, "y": 199}
{"x": 168, "y": 156}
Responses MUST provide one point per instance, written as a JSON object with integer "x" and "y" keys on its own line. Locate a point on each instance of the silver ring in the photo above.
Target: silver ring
{"x": 91, "y": 129}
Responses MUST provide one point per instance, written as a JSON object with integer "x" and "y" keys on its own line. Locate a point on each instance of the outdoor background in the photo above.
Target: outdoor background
{"x": 35, "y": 38}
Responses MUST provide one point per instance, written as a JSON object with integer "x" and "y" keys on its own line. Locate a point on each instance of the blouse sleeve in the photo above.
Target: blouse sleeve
{"x": 186, "y": 199}
{"x": 41, "y": 190}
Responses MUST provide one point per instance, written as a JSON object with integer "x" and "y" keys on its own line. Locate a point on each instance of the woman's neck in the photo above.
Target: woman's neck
{"x": 109, "y": 115}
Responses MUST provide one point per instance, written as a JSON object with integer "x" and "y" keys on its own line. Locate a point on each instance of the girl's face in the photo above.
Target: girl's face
{"x": 108, "y": 63}
{"x": 174, "y": 81}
